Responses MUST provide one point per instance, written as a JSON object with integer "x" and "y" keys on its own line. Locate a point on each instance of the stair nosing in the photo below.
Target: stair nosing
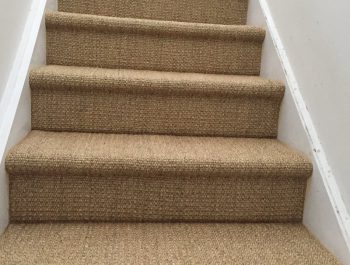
{"x": 133, "y": 25}
{"x": 153, "y": 82}
{"x": 64, "y": 161}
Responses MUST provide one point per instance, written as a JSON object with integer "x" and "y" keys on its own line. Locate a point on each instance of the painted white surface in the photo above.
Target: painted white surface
{"x": 15, "y": 101}
{"x": 316, "y": 38}
{"x": 323, "y": 203}
{"x": 13, "y": 15}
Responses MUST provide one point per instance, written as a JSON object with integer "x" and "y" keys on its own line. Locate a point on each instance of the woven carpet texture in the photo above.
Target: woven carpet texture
{"x": 96, "y": 41}
{"x": 75, "y": 176}
{"x": 200, "y": 11}
{"x": 154, "y": 141}
{"x": 130, "y": 101}
{"x": 180, "y": 244}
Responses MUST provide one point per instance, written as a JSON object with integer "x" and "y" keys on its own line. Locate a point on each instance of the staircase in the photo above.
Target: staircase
{"x": 154, "y": 142}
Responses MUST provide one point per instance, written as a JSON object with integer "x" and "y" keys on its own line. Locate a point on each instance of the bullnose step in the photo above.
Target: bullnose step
{"x": 134, "y": 101}
{"x": 101, "y": 177}
{"x": 111, "y": 42}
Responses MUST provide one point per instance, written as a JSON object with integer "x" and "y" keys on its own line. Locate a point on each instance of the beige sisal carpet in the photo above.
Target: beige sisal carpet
{"x": 154, "y": 142}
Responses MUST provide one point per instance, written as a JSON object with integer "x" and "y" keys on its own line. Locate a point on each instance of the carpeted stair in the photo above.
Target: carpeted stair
{"x": 139, "y": 101}
{"x": 58, "y": 176}
{"x": 154, "y": 142}
{"x": 160, "y": 243}
{"x": 110, "y": 42}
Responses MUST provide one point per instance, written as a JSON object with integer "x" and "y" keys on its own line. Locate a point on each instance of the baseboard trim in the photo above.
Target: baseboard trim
{"x": 14, "y": 87}
{"x": 319, "y": 154}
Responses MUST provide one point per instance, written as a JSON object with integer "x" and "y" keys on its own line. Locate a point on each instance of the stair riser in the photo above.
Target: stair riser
{"x": 152, "y": 51}
{"x": 96, "y": 110}
{"x": 156, "y": 198}
{"x": 202, "y": 11}
{"x": 159, "y": 243}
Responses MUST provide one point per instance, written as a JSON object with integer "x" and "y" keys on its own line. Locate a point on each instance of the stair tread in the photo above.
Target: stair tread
{"x": 136, "y": 25}
{"x": 112, "y": 42}
{"x": 155, "y": 243}
{"x": 129, "y": 80}
{"x": 97, "y": 154}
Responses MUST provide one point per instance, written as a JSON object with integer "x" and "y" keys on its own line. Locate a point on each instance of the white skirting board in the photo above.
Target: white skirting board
{"x": 325, "y": 214}
{"x": 15, "y": 102}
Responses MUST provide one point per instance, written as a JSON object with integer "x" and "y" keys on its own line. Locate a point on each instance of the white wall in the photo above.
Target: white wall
{"x": 15, "y": 113}
{"x": 13, "y": 15}
{"x": 320, "y": 215}
{"x": 316, "y": 36}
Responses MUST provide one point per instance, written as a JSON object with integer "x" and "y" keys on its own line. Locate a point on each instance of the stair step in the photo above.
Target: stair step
{"x": 66, "y": 98}
{"x": 201, "y": 11}
{"x": 141, "y": 44}
{"x": 108, "y": 177}
{"x": 150, "y": 243}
